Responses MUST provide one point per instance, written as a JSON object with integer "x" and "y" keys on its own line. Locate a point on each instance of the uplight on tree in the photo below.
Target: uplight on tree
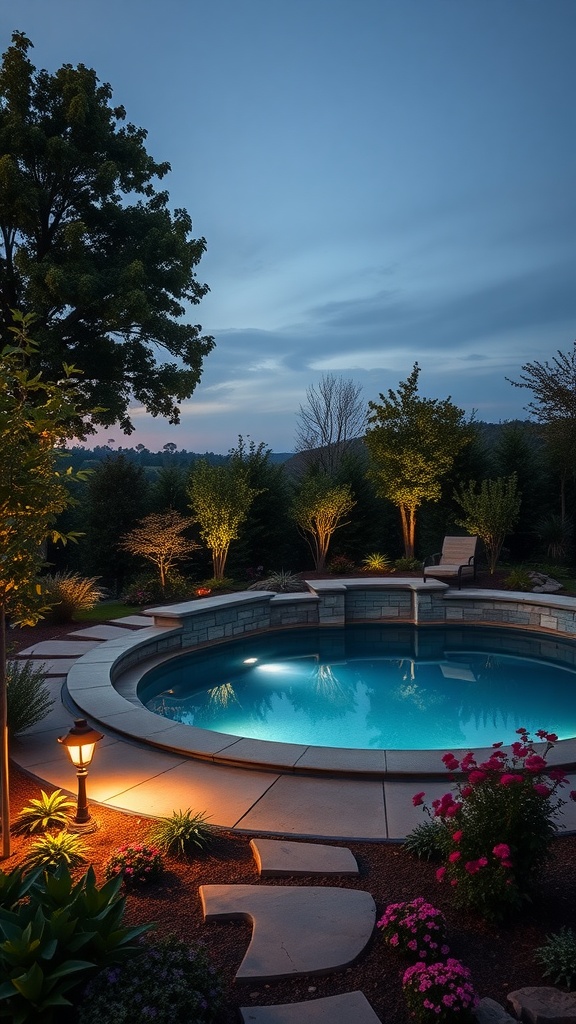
{"x": 220, "y": 499}
{"x": 319, "y": 508}
{"x": 159, "y": 538}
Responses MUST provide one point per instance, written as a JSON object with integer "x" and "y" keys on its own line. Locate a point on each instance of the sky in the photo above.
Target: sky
{"x": 379, "y": 182}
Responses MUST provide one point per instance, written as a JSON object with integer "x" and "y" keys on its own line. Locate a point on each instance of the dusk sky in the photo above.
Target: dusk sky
{"x": 378, "y": 182}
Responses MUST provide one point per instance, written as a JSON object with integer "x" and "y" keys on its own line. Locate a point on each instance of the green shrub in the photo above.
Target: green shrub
{"x": 49, "y": 811}
{"x": 146, "y": 589}
{"x": 51, "y": 851}
{"x": 519, "y": 579}
{"x": 136, "y": 863}
{"x": 407, "y": 564}
{"x": 171, "y": 983}
{"x": 56, "y": 938}
{"x": 71, "y": 593}
{"x": 182, "y": 834}
{"x": 428, "y": 841}
{"x": 558, "y": 956}
{"x": 375, "y": 562}
{"x": 226, "y": 583}
{"x": 28, "y": 697}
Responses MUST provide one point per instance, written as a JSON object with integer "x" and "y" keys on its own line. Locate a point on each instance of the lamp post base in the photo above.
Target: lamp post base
{"x": 82, "y": 827}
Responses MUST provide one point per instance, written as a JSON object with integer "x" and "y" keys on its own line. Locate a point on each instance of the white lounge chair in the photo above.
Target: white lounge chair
{"x": 457, "y": 558}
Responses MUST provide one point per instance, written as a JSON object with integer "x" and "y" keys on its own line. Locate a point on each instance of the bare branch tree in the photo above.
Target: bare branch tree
{"x": 334, "y": 415}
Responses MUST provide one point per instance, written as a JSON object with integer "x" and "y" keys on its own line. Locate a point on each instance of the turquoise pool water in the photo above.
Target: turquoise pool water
{"x": 373, "y": 687}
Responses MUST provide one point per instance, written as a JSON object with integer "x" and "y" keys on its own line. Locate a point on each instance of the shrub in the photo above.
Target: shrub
{"x": 137, "y": 864}
{"x": 558, "y": 956}
{"x": 51, "y": 851}
{"x": 499, "y": 825}
{"x": 28, "y": 697}
{"x": 280, "y": 582}
{"x": 428, "y": 841}
{"x": 146, "y": 589}
{"x": 220, "y": 584}
{"x": 519, "y": 579}
{"x": 440, "y": 992}
{"x": 376, "y": 562}
{"x": 340, "y": 564}
{"x": 171, "y": 983}
{"x": 416, "y": 930}
{"x": 71, "y": 593}
{"x": 183, "y": 833}
{"x": 49, "y": 811}
{"x": 407, "y": 564}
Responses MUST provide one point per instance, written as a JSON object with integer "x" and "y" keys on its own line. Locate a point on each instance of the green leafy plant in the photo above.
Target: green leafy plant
{"x": 499, "y": 823}
{"x": 225, "y": 583}
{"x": 428, "y": 841}
{"x": 170, "y": 983}
{"x": 440, "y": 992}
{"x": 280, "y": 582}
{"x": 182, "y": 833}
{"x": 46, "y": 921}
{"x": 375, "y": 562}
{"x": 519, "y": 579}
{"x": 70, "y": 593}
{"x": 28, "y": 697}
{"x": 558, "y": 956}
{"x": 136, "y": 863}
{"x": 416, "y": 930}
{"x": 49, "y": 811}
{"x": 50, "y": 851}
{"x": 407, "y": 564}
{"x": 341, "y": 564}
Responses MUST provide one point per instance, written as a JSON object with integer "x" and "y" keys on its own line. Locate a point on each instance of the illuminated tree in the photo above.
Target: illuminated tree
{"x": 333, "y": 417}
{"x": 491, "y": 512}
{"x": 159, "y": 539}
{"x": 220, "y": 499}
{"x": 413, "y": 442}
{"x": 319, "y": 508}
{"x": 89, "y": 243}
{"x": 35, "y": 418}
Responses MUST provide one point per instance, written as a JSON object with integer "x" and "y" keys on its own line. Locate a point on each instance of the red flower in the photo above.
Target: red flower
{"x": 541, "y": 789}
{"x": 501, "y": 850}
{"x": 509, "y": 780}
{"x": 440, "y": 874}
{"x": 475, "y": 777}
{"x": 450, "y": 762}
{"x": 499, "y": 744}
{"x": 418, "y": 799}
{"x": 466, "y": 791}
{"x": 454, "y": 856}
{"x": 534, "y": 763}
{"x": 457, "y": 836}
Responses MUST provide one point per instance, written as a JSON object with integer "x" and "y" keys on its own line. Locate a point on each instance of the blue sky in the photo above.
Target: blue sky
{"x": 378, "y": 182}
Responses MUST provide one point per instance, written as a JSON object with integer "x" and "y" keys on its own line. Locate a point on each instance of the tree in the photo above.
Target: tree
{"x": 116, "y": 498}
{"x": 554, "y": 388}
{"x": 159, "y": 539}
{"x": 319, "y": 508}
{"x": 34, "y": 419}
{"x": 268, "y": 535}
{"x": 491, "y": 512}
{"x": 332, "y": 419}
{"x": 220, "y": 499}
{"x": 413, "y": 442}
{"x": 90, "y": 245}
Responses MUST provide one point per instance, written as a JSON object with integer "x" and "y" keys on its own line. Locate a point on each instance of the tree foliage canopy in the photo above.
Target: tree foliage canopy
{"x": 319, "y": 508}
{"x": 412, "y": 442}
{"x": 159, "y": 538}
{"x": 220, "y": 499}
{"x": 491, "y": 512}
{"x": 88, "y": 243}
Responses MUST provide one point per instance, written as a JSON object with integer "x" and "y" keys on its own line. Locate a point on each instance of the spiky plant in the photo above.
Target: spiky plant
{"x": 71, "y": 593}
{"x": 280, "y": 582}
{"x": 428, "y": 841}
{"x": 50, "y": 811}
{"x": 28, "y": 697}
{"x": 376, "y": 562}
{"x": 50, "y": 851}
{"x": 182, "y": 833}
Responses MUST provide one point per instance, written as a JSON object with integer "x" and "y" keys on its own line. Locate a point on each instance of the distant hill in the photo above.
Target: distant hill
{"x": 152, "y": 462}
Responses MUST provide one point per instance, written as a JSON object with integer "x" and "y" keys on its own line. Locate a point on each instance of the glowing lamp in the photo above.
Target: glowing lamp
{"x": 80, "y": 743}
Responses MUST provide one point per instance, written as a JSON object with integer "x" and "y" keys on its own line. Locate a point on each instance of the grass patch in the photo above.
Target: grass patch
{"x": 107, "y": 610}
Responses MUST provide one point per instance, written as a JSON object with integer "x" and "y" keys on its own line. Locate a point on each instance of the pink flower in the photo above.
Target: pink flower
{"x": 509, "y": 780}
{"x": 450, "y": 762}
{"x": 541, "y": 789}
{"x": 466, "y": 791}
{"x": 418, "y": 798}
{"x": 501, "y": 850}
{"x": 440, "y": 874}
{"x": 558, "y": 776}
{"x": 457, "y": 836}
{"x": 499, "y": 744}
{"x": 551, "y": 737}
{"x": 534, "y": 763}
{"x": 519, "y": 750}
{"x": 522, "y": 731}
{"x": 475, "y": 777}
{"x": 454, "y": 856}
{"x": 468, "y": 761}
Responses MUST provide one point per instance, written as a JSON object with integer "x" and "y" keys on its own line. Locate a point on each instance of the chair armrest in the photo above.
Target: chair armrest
{"x": 432, "y": 559}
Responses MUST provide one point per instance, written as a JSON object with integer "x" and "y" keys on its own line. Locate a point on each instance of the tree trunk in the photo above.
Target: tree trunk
{"x": 4, "y": 762}
{"x": 408, "y": 518}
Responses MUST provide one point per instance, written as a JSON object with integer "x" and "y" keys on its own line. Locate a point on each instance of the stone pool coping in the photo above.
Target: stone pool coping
{"x": 102, "y": 684}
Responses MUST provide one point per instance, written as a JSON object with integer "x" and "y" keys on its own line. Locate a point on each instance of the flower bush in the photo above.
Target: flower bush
{"x": 416, "y": 930}
{"x": 138, "y": 864}
{"x": 499, "y": 821}
{"x": 439, "y": 992}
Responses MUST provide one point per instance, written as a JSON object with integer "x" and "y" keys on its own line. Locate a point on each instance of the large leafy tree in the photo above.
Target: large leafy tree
{"x": 89, "y": 244}
{"x": 34, "y": 420}
{"x": 319, "y": 508}
{"x": 159, "y": 538}
{"x": 220, "y": 499}
{"x": 412, "y": 442}
{"x": 490, "y": 512}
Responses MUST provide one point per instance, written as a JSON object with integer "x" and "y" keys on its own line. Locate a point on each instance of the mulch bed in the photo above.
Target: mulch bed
{"x": 501, "y": 959}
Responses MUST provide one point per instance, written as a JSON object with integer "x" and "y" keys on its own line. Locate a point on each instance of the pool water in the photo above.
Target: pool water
{"x": 373, "y": 686}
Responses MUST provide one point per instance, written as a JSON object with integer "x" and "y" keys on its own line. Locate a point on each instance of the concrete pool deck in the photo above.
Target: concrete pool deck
{"x": 149, "y": 766}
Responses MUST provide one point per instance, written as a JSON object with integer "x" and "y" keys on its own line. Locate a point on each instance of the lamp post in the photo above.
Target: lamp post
{"x": 80, "y": 743}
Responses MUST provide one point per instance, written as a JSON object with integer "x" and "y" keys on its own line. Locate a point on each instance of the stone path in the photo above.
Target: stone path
{"x": 275, "y": 858}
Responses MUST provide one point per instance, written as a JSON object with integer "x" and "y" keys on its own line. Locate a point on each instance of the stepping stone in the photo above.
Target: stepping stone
{"x": 101, "y": 631}
{"x": 275, "y": 858}
{"x": 52, "y": 667}
{"x": 543, "y": 1005}
{"x": 59, "y": 648}
{"x": 297, "y": 930}
{"x": 342, "y": 1009}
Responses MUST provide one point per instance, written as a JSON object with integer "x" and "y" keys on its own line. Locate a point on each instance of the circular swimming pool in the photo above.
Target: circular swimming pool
{"x": 373, "y": 686}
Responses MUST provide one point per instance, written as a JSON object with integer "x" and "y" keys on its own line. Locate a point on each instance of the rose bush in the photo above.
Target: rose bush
{"x": 499, "y": 822}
